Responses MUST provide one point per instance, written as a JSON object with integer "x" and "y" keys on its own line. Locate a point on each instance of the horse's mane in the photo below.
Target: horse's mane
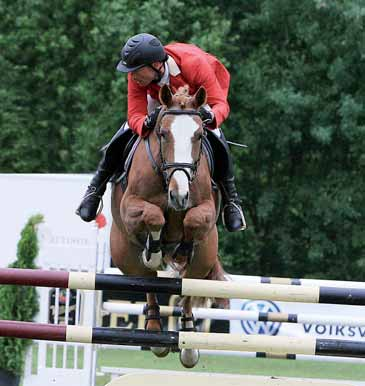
{"x": 182, "y": 97}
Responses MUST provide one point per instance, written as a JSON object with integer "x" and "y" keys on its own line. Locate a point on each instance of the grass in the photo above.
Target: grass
{"x": 217, "y": 363}
{"x": 232, "y": 364}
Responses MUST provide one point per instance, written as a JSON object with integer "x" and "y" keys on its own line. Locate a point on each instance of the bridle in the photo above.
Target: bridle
{"x": 165, "y": 166}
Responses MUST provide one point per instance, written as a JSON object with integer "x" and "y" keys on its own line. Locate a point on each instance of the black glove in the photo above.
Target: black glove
{"x": 151, "y": 119}
{"x": 206, "y": 115}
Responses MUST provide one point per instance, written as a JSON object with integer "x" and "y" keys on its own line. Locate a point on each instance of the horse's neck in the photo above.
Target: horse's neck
{"x": 154, "y": 146}
{"x": 203, "y": 178}
{"x": 143, "y": 179}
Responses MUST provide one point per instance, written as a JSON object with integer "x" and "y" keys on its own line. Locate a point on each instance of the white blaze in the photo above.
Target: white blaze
{"x": 183, "y": 129}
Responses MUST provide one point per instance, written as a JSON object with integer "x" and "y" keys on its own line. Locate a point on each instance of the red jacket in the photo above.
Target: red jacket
{"x": 190, "y": 65}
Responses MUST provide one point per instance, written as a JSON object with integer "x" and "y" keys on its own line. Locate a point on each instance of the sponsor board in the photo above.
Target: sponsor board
{"x": 290, "y": 329}
{"x": 56, "y": 197}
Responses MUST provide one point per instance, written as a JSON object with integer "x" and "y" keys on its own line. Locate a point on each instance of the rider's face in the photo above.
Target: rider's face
{"x": 145, "y": 75}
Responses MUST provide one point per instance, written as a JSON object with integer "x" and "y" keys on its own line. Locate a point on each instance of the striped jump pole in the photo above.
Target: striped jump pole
{"x": 255, "y": 316}
{"x": 183, "y": 340}
{"x": 270, "y": 280}
{"x": 184, "y": 287}
{"x": 294, "y": 281}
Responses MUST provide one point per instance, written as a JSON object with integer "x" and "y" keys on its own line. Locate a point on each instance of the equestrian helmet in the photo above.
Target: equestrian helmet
{"x": 141, "y": 50}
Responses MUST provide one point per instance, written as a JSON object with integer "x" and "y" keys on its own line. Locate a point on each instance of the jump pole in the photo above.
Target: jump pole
{"x": 184, "y": 287}
{"x": 245, "y": 279}
{"x": 183, "y": 340}
{"x": 223, "y": 314}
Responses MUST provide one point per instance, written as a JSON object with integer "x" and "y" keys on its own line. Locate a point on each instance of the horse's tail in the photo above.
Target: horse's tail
{"x": 218, "y": 273}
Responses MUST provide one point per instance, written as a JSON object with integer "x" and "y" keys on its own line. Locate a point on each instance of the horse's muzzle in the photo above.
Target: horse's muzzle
{"x": 177, "y": 201}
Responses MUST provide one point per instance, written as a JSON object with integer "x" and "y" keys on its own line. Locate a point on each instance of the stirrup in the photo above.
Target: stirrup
{"x": 238, "y": 207}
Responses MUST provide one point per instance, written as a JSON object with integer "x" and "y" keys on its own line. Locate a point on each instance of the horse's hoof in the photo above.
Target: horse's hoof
{"x": 160, "y": 352}
{"x": 154, "y": 261}
{"x": 189, "y": 357}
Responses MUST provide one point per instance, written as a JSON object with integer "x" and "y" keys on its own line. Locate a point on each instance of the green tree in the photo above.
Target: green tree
{"x": 298, "y": 97}
{"x": 297, "y": 100}
{"x": 64, "y": 98}
{"x": 19, "y": 302}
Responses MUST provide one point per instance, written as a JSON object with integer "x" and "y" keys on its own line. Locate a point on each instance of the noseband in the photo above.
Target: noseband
{"x": 165, "y": 166}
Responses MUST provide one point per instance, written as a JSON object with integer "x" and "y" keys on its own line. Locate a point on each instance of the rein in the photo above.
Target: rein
{"x": 165, "y": 166}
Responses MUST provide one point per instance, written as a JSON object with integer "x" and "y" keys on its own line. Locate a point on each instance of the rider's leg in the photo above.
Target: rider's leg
{"x": 233, "y": 218}
{"x": 112, "y": 155}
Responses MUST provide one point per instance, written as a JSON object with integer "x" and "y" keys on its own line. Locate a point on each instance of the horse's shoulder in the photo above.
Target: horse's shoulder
{"x": 127, "y": 157}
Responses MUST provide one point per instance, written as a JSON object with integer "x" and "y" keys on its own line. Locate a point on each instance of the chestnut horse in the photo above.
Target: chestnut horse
{"x": 168, "y": 211}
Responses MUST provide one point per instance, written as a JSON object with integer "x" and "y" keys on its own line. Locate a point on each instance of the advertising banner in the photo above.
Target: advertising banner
{"x": 291, "y": 329}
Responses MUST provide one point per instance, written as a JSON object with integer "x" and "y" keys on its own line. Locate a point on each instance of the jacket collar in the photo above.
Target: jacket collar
{"x": 174, "y": 69}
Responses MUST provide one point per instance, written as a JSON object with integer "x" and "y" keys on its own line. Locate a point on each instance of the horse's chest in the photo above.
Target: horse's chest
{"x": 174, "y": 226}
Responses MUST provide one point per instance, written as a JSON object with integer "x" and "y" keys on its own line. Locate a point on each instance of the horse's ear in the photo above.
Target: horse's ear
{"x": 200, "y": 97}
{"x": 165, "y": 95}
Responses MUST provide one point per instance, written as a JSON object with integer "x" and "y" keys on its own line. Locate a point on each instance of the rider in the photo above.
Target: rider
{"x": 150, "y": 65}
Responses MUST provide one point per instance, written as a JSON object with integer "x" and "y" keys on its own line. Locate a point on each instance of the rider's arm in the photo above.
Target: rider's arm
{"x": 137, "y": 107}
{"x": 204, "y": 75}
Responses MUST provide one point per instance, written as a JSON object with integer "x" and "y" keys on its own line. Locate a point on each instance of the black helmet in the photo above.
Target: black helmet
{"x": 141, "y": 50}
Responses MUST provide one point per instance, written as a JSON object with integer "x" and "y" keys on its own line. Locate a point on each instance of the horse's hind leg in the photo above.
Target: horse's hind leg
{"x": 125, "y": 257}
{"x": 153, "y": 322}
{"x": 204, "y": 260}
{"x": 188, "y": 357}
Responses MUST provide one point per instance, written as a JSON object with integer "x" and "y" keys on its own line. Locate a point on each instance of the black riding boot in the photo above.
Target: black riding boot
{"x": 112, "y": 156}
{"x": 94, "y": 193}
{"x": 232, "y": 214}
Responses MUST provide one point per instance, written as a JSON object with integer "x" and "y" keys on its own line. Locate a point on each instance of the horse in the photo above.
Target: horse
{"x": 168, "y": 212}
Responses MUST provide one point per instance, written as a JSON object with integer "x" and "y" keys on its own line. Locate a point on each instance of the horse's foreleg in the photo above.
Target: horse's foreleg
{"x": 152, "y": 255}
{"x": 141, "y": 216}
{"x": 199, "y": 221}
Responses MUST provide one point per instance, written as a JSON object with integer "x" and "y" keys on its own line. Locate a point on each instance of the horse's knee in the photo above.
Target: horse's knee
{"x": 197, "y": 223}
{"x": 141, "y": 215}
{"x": 153, "y": 217}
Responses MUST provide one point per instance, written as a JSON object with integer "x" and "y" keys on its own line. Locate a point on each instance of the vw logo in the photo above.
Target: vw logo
{"x": 265, "y": 328}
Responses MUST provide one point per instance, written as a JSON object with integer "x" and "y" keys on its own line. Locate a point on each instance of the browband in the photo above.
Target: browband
{"x": 180, "y": 112}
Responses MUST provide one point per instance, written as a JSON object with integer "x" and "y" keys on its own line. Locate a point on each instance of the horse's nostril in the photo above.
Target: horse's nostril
{"x": 178, "y": 200}
{"x": 186, "y": 199}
